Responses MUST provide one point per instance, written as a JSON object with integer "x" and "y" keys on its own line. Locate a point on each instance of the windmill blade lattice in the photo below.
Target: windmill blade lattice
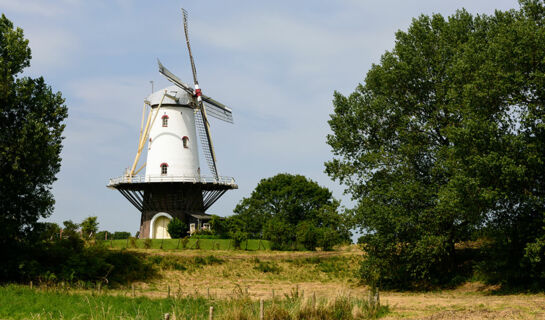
{"x": 201, "y": 131}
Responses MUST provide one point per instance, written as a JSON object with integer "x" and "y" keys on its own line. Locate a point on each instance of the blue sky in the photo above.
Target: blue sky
{"x": 275, "y": 63}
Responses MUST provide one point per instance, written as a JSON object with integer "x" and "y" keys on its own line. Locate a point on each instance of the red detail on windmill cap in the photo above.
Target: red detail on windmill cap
{"x": 198, "y": 92}
{"x": 165, "y": 116}
{"x": 164, "y": 164}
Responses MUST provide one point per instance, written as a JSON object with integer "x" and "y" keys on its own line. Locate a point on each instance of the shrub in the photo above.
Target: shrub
{"x": 132, "y": 242}
{"x": 121, "y": 235}
{"x": 268, "y": 267}
{"x": 147, "y": 243}
{"x": 177, "y": 228}
{"x": 239, "y": 237}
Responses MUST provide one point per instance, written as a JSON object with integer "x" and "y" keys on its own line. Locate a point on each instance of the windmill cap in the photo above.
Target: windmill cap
{"x": 175, "y": 95}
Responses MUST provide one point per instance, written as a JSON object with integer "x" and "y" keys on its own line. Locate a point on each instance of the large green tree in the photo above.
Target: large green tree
{"x": 444, "y": 141}
{"x": 31, "y": 118}
{"x": 285, "y": 203}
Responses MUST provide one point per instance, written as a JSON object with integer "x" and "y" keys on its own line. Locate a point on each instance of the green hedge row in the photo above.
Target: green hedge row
{"x": 174, "y": 244}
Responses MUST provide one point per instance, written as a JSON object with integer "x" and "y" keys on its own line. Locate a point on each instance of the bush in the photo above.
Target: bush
{"x": 268, "y": 267}
{"x": 147, "y": 243}
{"x": 280, "y": 233}
{"x": 177, "y": 228}
{"x": 70, "y": 260}
{"x": 239, "y": 237}
{"x": 121, "y": 235}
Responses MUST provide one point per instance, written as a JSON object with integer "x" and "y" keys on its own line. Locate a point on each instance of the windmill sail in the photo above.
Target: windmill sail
{"x": 174, "y": 79}
{"x": 220, "y": 113}
{"x": 205, "y": 143}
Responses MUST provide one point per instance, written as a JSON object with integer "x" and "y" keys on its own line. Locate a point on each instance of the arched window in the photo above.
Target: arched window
{"x": 164, "y": 168}
{"x": 165, "y": 120}
{"x": 185, "y": 141}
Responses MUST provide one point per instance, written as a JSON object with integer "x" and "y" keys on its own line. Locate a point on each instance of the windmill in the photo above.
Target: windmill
{"x": 172, "y": 185}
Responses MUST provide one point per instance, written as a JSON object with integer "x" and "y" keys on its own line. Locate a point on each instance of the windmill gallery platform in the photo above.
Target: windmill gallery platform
{"x": 172, "y": 186}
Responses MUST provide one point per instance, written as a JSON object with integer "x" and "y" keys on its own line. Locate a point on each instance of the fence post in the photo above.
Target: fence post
{"x": 168, "y": 291}
{"x": 31, "y": 284}
{"x": 211, "y": 314}
{"x": 273, "y": 294}
{"x": 261, "y": 310}
{"x": 314, "y": 300}
{"x": 167, "y": 316}
{"x": 133, "y": 292}
{"x": 106, "y": 235}
{"x": 208, "y": 292}
{"x": 178, "y": 246}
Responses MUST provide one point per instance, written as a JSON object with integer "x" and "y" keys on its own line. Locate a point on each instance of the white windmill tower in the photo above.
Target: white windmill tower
{"x": 172, "y": 185}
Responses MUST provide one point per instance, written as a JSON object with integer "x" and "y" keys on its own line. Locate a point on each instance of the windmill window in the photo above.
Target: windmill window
{"x": 164, "y": 168}
{"x": 185, "y": 141}
{"x": 165, "y": 120}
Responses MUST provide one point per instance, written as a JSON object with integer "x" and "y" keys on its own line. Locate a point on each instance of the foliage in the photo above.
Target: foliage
{"x": 70, "y": 229}
{"x": 117, "y": 235}
{"x": 238, "y": 238}
{"x": 177, "y": 228}
{"x": 444, "y": 143}
{"x": 279, "y": 204}
{"x": 268, "y": 267}
{"x": 68, "y": 259}
{"x": 89, "y": 227}
{"x": 31, "y": 118}
{"x": 219, "y": 225}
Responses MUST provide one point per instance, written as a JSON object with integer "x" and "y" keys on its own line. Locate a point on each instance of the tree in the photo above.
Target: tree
{"x": 278, "y": 204}
{"x": 441, "y": 144}
{"x": 219, "y": 225}
{"x": 70, "y": 229}
{"x": 89, "y": 227}
{"x": 31, "y": 118}
{"x": 177, "y": 228}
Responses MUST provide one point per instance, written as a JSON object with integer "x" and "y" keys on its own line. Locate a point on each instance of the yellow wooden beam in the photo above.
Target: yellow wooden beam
{"x": 144, "y": 136}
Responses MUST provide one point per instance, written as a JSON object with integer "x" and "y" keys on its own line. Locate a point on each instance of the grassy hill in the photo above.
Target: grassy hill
{"x": 189, "y": 281}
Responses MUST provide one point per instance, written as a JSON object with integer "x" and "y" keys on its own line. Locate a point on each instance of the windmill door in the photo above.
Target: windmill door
{"x": 160, "y": 228}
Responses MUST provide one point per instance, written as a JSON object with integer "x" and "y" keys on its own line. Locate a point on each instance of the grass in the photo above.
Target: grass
{"x": 178, "y": 244}
{"x": 17, "y": 302}
{"x": 233, "y": 281}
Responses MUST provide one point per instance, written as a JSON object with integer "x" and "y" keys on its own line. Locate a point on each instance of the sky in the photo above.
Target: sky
{"x": 276, "y": 64}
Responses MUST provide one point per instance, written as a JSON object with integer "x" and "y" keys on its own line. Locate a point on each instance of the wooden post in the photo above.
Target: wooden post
{"x": 99, "y": 287}
{"x": 167, "y": 316}
{"x": 106, "y": 235}
{"x": 133, "y": 291}
{"x": 162, "y": 243}
{"x": 168, "y": 291}
{"x": 273, "y": 294}
{"x": 178, "y": 246}
{"x": 211, "y": 314}
{"x": 314, "y": 300}
{"x": 31, "y": 284}
{"x": 208, "y": 292}
{"x": 261, "y": 310}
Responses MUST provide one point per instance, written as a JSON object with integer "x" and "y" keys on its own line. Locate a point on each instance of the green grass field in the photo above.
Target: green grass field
{"x": 177, "y": 244}
{"x": 18, "y": 302}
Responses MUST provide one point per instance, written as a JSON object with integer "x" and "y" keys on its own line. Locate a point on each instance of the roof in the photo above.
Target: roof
{"x": 180, "y": 97}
